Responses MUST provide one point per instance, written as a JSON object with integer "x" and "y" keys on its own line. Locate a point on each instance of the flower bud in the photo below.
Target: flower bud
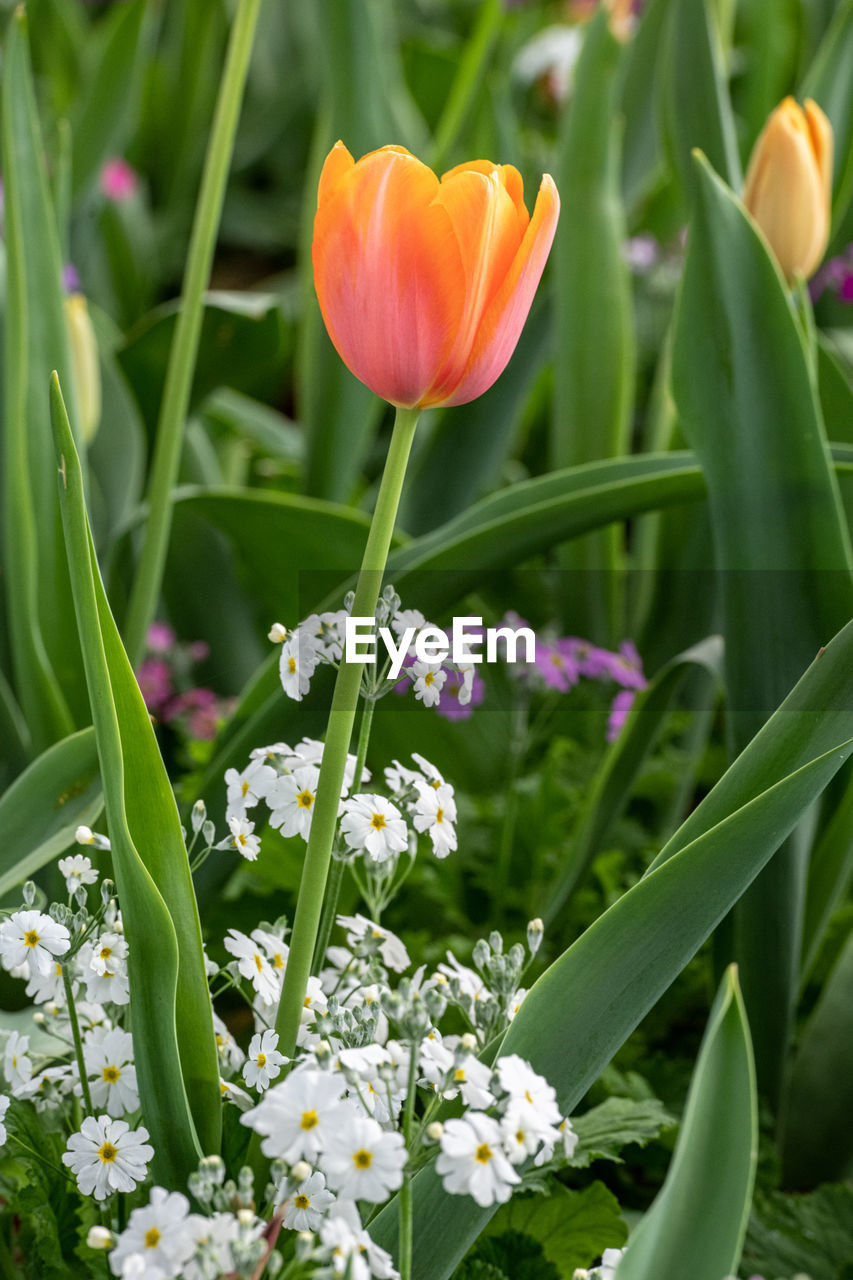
{"x": 535, "y": 930}
{"x": 788, "y": 187}
{"x": 100, "y": 1238}
{"x": 300, "y": 1171}
{"x": 29, "y": 892}
{"x": 434, "y": 1130}
{"x": 84, "y": 364}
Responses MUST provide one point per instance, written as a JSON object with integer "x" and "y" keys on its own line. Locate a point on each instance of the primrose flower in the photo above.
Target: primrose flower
{"x": 372, "y": 823}
{"x": 34, "y": 938}
{"x": 788, "y": 186}
{"x": 472, "y": 1160}
{"x": 4, "y": 1107}
{"x": 78, "y": 871}
{"x": 161, "y": 1232}
{"x": 425, "y": 285}
{"x": 106, "y": 1156}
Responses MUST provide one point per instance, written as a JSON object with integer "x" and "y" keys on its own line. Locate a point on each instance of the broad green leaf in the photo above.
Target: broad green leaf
{"x": 642, "y": 153}
{"x": 593, "y": 317}
{"x": 817, "y": 1128}
{"x": 621, "y": 765}
{"x": 42, "y": 809}
{"x": 698, "y": 1220}
{"x": 616, "y": 1123}
{"x": 583, "y": 1008}
{"x": 573, "y": 1227}
{"x": 748, "y": 404}
{"x": 792, "y": 1235}
{"x": 46, "y": 660}
{"x": 829, "y": 875}
{"x": 111, "y": 85}
{"x": 174, "y": 1047}
{"x": 770, "y": 52}
{"x": 266, "y": 428}
{"x": 696, "y": 107}
{"x": 829, "y": 82}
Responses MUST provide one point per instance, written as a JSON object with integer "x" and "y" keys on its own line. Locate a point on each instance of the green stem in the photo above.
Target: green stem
{"x": 338, "y": 734}
{"x": 184, "y": 349}
{"x": 405, "y": 1258}
{"x": 518, "y": 745}
{"x": 336, "y": 874}
{"x": 466, "y": 88}
{"x": 78, "y": 1043}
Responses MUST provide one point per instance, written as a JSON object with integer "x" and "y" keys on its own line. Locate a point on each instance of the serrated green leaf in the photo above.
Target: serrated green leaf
{"x": 604, "y": 1130}
{"x": 573, "y": 1227}
{"x": 805, "y": 1234}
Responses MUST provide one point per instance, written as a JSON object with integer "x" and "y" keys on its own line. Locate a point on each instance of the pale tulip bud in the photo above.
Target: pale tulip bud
{"x": 84, "y": 363}
{"x": 788, "y": 187}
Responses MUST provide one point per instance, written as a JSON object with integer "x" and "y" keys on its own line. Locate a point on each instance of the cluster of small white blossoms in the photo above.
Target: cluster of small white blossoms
{"x": 606, "y": 1269}
{"x": 320, "y": 638}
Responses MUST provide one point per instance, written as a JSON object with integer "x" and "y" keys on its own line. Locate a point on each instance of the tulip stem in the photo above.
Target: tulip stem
{"x": 184, "y": 348}
{"x": 315, "y": 869}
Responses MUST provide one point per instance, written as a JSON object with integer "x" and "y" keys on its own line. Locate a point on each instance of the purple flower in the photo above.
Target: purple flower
{"x": 201, "y": 707}
{"x": 845, "y": 291}
{"x": 155, "y": 683}
{"x": 160, "y": 638}
{"x": 619, "y": 708}
{"x": 70, "y": 278}
{"x": 557, "y": 665}
{"x": 449, "y": 705}
{"x": 641, "y": 253}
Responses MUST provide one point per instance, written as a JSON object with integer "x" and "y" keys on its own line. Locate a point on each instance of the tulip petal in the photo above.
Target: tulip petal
{"x": 388, "y": 274}
{"x": 338, "y": 162}
{"x": 485, "y": 222}
{"x": 504, "y": 318}
{"x": 820, "y": 131}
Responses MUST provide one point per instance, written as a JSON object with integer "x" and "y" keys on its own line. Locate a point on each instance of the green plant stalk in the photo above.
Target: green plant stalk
{"x": 184, "y": 349}
{"x": 468, "y": 81}
{"x": 336, "y": 874}
{"x": 405, "y": 1258}
{"x": 78, "y": 1043}
{"x": 338, "y": 734}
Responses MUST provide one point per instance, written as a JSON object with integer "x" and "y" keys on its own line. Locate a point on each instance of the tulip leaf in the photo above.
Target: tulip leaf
{"x": 45, "y": 659}
{"x": 587, "y": 1003}
{"x": 829, "y": 874}
{"x": 697, "y": 1223}
{"x": 828, "y": 81}
{"x": 613, "y": 781}
{"x": 44, "y": 806}
{"x": 747, "y": 403}
{"x": 642, "y": 151}
{"x": 174, "y": 1048}
{"x": 817, "y": 1132}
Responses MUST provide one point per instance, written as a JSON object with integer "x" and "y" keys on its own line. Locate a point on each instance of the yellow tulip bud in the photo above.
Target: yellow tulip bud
{"x": 84, "y": 364}
{"x": 788, "y": 188}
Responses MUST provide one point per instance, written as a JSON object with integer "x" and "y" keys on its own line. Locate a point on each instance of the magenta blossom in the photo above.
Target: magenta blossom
{"x": 118, "y": 181}
{"x": 160, "y": 638}
{"x": 556, "y": 664}
{"x": 201, "y": 707}
{"x": 619, "y": 709}
{"x": 155, "y": 683}
{"x": 449, "y": 705}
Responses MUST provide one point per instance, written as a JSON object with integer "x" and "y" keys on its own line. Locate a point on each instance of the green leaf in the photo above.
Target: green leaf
{"x": 748, "y": 404}
{"x": 42, "y": 809}
{"x": 45, "y": 660}
{"x": 811, "y": 1234}
{"x": 697, "y": 1223}
{"x": 642, "y": 154}
{"x": 583, "y": 1008}
{"x": 266, "y": 428}
{"x": 174, "y": 1047}
{"x": 573, "y": 1227}
{"x": 604, "y": 1130}
{"x": 828, "y": 81}
{"x": 610, "y": 790}
{"x": 817, "y": 1130}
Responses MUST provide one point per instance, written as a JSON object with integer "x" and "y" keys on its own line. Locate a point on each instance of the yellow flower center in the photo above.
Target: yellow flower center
{"x": 362, "y": 1159}
{"x": 305, "y": 799}
{"x": 459, "y": 1074}
{"x": 31, "y": 938}
{"x": 519, "y": 1135}
{"x": 111, "y": 1074}
{"x": 429, "y": 678}
{"x": 242, "y": 839}
{"x": 259, "y": 964}
{"x": 483, "y": 1154}
{"x": 439, "y": 817}
{"x": 104, "y": 952}
{"x": 152, "y": 1238}
{"x": 291, "y": 665}
{"x": 301, "y": 1202}
{"x": 108, "y": 1153}
{"x": 278, "y": 960}
{"x": 528, "y": 1097}
{"x": 378, "y": 822}
{"x": 309, "y": 1120}
{"x": 245, "y": 787}
{"x": 262, "y": 1059}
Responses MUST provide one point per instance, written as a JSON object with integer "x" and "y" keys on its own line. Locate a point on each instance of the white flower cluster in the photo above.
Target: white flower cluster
{"x": 606, "y": 1269}
{"x": 320, "y": 638}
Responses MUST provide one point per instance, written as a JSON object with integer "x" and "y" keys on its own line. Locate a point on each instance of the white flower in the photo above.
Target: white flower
{"x": 106, "y": 1156}
{"x": 432, "y": 775}
{"x": 108, "y": 1056}
{"x": 247, "y": 788}
{"x": 273, "y": 945}
{"x": 162, "y": 1232}
{"x": 306, "y": 1207}
{"x": 524, "y": 1133}
{"x": 472, "y": 1162}
{"x": 232, "y": 1092}
{"x": 521, "y": 1082}
{"x": 49, "y": 987}
{"x": 471, "y": 985}
{"x": 362, "y": 1161}
{"x": 374, "y": 824}
{"x": 391, "y": 949}
{"x": 34, "y": 938}
{"x": 78, "y": 870}
{"x": 352, "y": 1252}
{"x": 252, "y": 964}
{"x": 327, "y": 632}
{"x": 242, "y": 838}
{"x": 291, "y": 801}
{"x": 429, "y": 678}
{"x": 104, "y": 969}
{"x": 552, "y": 53}
{"x": 4, "y": 1107}
{"x": 264, "y": 1061}
{"x": 405, "y": 618}
{"x": 472, "y": 1078}
{"x": 213, "y": 1239}
{"x": 230, "y": 1054}
{"x": 297, "y": 1117}
{"x": 85, "y": 835}
{"x": 17, "y": 1067}
{"x": 435, "y": 812}
{"x": 136, "y": 1267}
{"x": 297, "y": 663}
{"x": 570, "y": 1138}
{"x": 399, "y": 778}
{"x": 59, "y": 1081}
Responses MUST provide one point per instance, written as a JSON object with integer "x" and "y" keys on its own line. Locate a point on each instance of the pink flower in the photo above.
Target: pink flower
{"x": 450, "y": 707}
{"x": 557, "y": 665}
{"x": 160, "y": 638}
{"x": 155, "y": 683}
{"x": 619, "y": 708}
{"x": 118, "y": 181}
{"x": 201, "y": 708}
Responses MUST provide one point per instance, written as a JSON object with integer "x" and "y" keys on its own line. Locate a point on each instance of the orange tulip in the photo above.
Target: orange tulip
{"x": 788, "y": 187}
{"x": 425, "y": 285}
